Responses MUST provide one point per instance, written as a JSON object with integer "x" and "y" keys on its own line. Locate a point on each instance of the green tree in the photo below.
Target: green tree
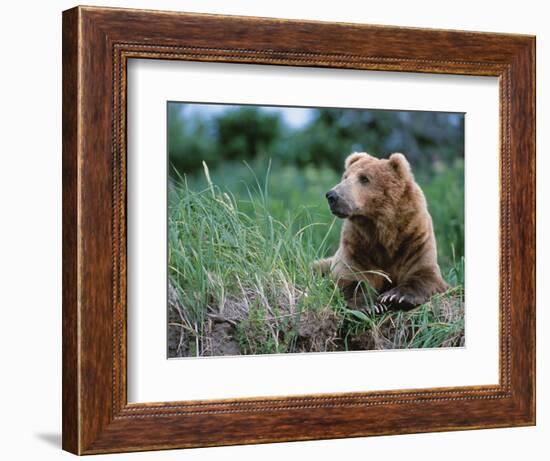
{"x": 246, "y": 132}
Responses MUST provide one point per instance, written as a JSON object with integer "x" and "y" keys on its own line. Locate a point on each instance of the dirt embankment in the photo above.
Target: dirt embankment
{"x": 229, "y": 330}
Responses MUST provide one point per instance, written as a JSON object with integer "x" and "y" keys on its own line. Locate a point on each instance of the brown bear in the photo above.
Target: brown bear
{"x": 387, "y": 238}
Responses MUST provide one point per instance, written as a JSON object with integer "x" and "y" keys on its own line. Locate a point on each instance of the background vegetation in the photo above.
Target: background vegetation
{"x": 244, "y": 230}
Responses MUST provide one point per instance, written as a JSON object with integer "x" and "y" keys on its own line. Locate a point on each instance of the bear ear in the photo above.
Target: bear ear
{"x": 352, "y": 158}
{"x": 400, "y": 164}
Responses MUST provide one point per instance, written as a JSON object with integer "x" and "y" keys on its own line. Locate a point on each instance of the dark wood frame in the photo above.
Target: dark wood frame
{"x": 97, "y": 43}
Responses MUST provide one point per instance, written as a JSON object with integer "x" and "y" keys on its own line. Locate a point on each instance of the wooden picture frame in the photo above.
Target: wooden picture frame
{"x": 97, "y": 43}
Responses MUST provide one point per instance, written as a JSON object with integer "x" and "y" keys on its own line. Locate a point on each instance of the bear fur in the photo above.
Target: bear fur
{"x": 387, "y": 238}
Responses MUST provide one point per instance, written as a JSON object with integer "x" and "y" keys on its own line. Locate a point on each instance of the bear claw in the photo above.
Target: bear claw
{"x": 379, "y": 308}
{"x": 398, "y": 299}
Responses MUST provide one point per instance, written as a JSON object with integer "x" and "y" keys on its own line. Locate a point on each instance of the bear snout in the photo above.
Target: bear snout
{"x": 332, "y": 197}
{"x": 337, "y": 204}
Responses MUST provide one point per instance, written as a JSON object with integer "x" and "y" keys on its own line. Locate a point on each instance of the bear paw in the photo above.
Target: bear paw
{"x": 397, "y": 298}
{"x": 322, "y": 266}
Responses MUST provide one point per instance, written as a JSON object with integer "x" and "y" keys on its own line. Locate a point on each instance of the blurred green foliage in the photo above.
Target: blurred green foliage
{"x": 428, "y": 139}
{"x": 246, "y": 147}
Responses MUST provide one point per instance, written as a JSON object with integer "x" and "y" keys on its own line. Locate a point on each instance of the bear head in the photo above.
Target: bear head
{"x": 370, "y": 187}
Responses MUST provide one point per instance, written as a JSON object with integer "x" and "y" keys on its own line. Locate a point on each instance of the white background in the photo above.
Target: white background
{"x": 30, "y": 243}
{"x": 152, "y": 378}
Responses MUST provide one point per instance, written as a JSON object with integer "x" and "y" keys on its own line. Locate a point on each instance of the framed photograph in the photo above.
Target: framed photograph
{"x": 284, "y": 230}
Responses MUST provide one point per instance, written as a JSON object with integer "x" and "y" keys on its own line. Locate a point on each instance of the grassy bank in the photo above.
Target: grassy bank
{"x": 241, "y": 279}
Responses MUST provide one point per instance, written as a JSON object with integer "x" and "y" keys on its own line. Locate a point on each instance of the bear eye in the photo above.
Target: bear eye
{"x": 363, "y": 179}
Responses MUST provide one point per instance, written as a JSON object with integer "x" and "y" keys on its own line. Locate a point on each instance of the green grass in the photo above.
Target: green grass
{"x": 241, "y": 280}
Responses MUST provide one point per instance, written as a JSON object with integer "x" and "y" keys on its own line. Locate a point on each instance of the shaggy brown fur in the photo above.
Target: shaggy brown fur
{"x": 387, "y": 238}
